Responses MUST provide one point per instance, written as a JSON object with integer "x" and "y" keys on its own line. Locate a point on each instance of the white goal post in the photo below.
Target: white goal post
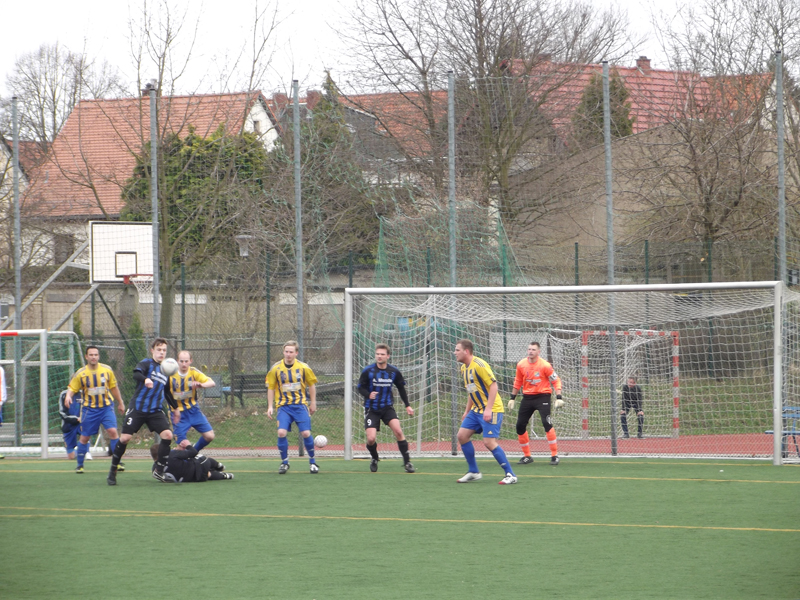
{"x": 716, "y": 386}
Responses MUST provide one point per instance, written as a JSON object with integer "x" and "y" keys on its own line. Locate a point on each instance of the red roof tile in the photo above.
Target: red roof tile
{"x": 95, "y": 152}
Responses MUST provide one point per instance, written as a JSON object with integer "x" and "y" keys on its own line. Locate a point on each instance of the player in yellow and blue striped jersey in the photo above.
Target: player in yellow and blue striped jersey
{"x": 291, "y": 385}
{"x": 484, "y": 413}
{"x": 184, "y": 385}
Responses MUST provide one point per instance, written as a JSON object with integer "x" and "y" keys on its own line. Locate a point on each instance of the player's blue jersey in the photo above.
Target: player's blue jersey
{"x": 375, "y": 379}
{"x": 149, "y": 400}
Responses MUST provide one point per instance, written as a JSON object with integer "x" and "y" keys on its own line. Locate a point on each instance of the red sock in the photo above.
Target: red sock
{"x": 551, "y": 439}
{"x": 525, "y": 442}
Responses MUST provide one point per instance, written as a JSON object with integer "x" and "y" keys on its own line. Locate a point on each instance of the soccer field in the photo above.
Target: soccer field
{"x": 590, "y": 528}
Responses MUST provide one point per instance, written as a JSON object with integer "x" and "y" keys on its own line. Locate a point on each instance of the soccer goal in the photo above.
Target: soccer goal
{"x": 38, "y": 365}
{"x": 715, "y": 363}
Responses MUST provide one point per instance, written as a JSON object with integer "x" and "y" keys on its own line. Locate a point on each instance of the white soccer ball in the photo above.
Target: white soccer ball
{"x": 320, "y": 441}
{"x": 169, "y": 367}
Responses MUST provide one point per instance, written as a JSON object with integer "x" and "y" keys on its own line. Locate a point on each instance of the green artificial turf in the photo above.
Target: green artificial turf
{"x": 590, "y": 528}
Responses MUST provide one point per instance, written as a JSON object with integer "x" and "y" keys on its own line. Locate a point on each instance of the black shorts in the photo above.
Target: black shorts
{"x": 633, "y": 405}
{"x": 531, "y": 403}
{"x": 374, "y": 416}
{"x": 134, "y": 419}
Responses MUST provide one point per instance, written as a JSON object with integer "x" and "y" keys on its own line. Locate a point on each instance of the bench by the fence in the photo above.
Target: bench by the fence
{"x": 253, "y": 384}
{"x": 8, "y": 433}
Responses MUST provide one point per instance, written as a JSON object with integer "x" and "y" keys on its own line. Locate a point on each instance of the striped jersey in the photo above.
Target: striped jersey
{"x": 478, "y": 377}
{"x": 144, "y": 399}
{"x": 182, "y": 389}
{"x": 375, "y": 379}
{"x": 95, "y": 385}
{"x": 536, "y": 377}
{"x": 290, "y": 383}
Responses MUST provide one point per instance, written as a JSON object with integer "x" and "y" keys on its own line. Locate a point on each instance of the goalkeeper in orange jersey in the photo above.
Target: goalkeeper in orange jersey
{"x": 537, "y": 379}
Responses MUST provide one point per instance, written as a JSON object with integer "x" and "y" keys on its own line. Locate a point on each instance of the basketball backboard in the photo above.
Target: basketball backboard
{"x": 118, "y": 249}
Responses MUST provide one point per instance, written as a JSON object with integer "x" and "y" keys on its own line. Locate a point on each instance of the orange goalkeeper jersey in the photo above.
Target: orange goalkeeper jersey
{"x": 537, "y": 377}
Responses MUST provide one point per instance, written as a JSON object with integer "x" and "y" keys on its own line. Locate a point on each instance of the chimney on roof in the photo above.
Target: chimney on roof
{"x": 312, "y": 98}
{"x": 150, "y": 85}
{"x": 281, "y": 100}
{"x": 643, "y": 64}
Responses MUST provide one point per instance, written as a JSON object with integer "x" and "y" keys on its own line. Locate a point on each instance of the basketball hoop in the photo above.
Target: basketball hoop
{"x": 143, "y": 283}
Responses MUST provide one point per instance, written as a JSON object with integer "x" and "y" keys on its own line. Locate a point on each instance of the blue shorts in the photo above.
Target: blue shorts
{"x": 475, "y": 422}
{"x": 294, "y": 412}
{"x": 92, "y": 418}
{"x": 71, "y": 439}
{"x": 193, "y": 417}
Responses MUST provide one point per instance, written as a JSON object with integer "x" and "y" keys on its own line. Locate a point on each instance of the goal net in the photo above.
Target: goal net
{"x": 709, "y": 360}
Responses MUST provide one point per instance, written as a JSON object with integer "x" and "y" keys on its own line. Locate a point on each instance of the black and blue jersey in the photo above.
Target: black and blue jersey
{"x": 149, "y": 400}
{"x": 375, "y": 379}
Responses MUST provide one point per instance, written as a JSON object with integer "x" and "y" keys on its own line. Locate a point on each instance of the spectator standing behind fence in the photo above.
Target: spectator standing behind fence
{"x": 632, "y": 399}
{"x": 98, "y": 385}
{"x": 184, "y": 385}
{"x": 295, "y": 384}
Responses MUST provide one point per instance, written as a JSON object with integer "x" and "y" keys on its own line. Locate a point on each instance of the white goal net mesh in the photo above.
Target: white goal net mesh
{"x": 704, "y": 360}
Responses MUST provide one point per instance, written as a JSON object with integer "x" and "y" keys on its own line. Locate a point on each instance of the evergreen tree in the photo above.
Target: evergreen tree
{"x": 587, "y": 121}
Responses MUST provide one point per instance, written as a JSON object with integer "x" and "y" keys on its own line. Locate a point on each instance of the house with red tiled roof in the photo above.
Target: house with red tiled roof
{"x": 83, "y": 174}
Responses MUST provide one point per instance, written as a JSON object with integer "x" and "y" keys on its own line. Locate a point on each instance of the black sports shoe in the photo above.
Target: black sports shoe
{"x": 409, "y": 468}
{"x": 525, "y": 460}
{"x": 228, "y": 475}
{"x": 373, "y": 465}
{"x": 640, "y": 436}
{"x": 112, "y": 477}
{"x": 79, "y": 470}
{"x": 283, "y": 468}
{"x": 626, "y": 436}
{"x": 120, "y": 467}
{"x": 159, "y": 475}
{"x": 554, "y": 461}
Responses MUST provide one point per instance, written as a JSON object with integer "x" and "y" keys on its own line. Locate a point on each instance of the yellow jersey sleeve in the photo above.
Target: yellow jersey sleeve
{"x": 76, "y": 384}
{"x": 199, "y": 376}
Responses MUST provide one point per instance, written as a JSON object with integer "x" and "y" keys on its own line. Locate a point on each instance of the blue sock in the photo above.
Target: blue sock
{"x": 82, "y": 450}
{"x": 201, "y": 443}
{"x": 500, "y": 457}
{"x": 283, "y": 446}
{"x": 112, "y": 444}
{"x": 309, "y": 444}
{"x": 469, "y": 453}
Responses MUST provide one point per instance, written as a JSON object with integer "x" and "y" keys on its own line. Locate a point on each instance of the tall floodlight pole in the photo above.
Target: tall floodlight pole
{"x": 298, "y": 217}
{"x": 18, "y": 401}
{"x": 451, "y": 159}
{"x": 781, "y": 168}
{"x": 612, "y": 330}
{"x": 154, "y": 211}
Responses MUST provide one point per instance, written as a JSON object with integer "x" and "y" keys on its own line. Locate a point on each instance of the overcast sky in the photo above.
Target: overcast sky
{"x": 306, "y": 44}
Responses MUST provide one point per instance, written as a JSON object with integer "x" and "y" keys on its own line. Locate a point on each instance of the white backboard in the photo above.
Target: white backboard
{"x": 120, "y": 248}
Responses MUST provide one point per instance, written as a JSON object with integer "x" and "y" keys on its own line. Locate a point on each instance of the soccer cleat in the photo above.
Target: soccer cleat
{"x": 158, "y": 475}
{"x": 554, "y": 461}
{"x": 373, "y": 465}
{"x": 79, "y": 470}
{"x": 313, "y": 468}
{"x": 112, "y": 477}
{"x": 409, "y": 468}
{"x": 508, "y": 479}
{"x": 120, "y": 467}
{"x": 283, "y": 468}
{"x": 525, "y": 460}
{"x": 89, "y": 456}
{"x": 228, "y": 475}
{"x": 470, "y": 477}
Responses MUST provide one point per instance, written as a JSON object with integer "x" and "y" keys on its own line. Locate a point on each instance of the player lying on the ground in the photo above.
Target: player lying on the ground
{"x": 185, "y": 465}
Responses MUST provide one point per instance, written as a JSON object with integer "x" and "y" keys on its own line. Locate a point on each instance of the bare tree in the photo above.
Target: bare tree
{"x": 49, "y": 82}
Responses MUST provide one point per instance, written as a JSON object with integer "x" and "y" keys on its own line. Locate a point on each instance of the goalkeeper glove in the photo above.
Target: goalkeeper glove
{"x": 559, "y": 402}
{"x": 511, "y": 402}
